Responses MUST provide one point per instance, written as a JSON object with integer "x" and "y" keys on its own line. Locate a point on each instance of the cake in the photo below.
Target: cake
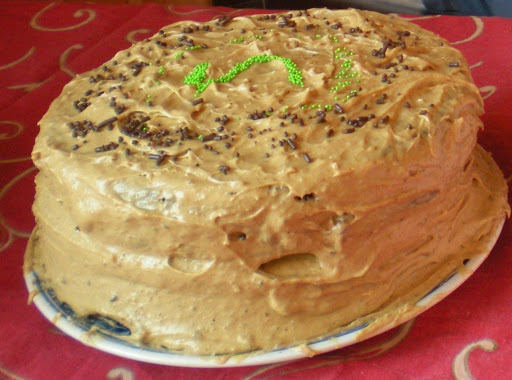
{"x": 258, "y": 182}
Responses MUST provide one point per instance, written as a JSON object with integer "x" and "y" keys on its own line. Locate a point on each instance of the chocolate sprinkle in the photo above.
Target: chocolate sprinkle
{"x": 320, "y": 117}
{"x": 106, "y": 122}
{"x": 105, "y": 148}
{"x": 223, "y": 20}
{"x": 403, "y": 33}
{"x": 256, "y": 115}
{"x": 159, "y": 158}
{"x": 224, "y": 169}
{"x": 338, "y": 109}
{"x": 81, "y": 104}
{"x": 382, "y": 99}
{"x": 197, "y": 101}
{"x": 209, "y": 137}
{"x": 291, "y": 143}
{"x": 286, "y": 22}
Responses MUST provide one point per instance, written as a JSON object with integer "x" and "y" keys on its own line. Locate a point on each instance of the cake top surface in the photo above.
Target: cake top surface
{"x": 262, "y": 100}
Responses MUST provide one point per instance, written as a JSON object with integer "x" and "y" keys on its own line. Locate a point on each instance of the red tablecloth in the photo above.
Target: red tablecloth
{"x": 44, "y": 44}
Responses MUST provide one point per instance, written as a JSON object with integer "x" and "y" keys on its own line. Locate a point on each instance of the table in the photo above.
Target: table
{"x": 45, "y": 44}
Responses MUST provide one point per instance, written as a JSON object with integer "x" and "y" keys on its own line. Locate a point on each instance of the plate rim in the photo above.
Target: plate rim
{"x": 366, "y": 330}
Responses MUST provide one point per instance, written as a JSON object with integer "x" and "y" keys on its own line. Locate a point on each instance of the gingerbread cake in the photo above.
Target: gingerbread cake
{"x": 257, "y": 182}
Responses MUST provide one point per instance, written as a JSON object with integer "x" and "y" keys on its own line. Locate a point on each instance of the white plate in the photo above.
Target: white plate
{"x": 79, "y": 328}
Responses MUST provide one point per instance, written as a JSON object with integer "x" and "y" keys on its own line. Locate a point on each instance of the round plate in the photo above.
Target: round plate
{"x": 97, "y": 333}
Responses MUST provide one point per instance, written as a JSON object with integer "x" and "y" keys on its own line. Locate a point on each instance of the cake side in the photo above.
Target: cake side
{"x": 330, "y": 174}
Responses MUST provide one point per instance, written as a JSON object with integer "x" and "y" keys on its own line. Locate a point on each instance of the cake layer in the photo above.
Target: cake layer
{"x": 257, "y": 182}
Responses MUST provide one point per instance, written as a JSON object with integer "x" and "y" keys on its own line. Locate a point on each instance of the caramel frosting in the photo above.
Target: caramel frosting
{"x": 256, "y": 182}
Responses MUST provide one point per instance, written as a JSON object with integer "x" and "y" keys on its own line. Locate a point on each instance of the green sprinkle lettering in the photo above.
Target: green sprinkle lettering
{"x": 198, "y": 76}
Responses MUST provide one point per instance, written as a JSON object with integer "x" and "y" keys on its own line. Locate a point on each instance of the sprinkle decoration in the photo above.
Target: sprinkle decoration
{"x": 198, "y": 76}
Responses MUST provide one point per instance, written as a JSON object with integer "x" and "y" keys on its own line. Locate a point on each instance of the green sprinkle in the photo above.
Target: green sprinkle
{"x": 157, "y": 82}
{"x": 200, "y": 137}
{"x": 179, "y": 55}
{"x": 161, "y": 70}
{"x": 198, "y": 76}
{"x": 237, "y": 40}
{"x": 318, "y": 36}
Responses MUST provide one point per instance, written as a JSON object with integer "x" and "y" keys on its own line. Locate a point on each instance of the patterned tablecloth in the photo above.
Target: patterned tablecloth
{"x": 45, "y": 44}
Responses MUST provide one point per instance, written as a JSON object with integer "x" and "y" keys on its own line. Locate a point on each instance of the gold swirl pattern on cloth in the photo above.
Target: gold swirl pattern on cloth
{"x": 35, "y": 22}
{"x": 62, "y": 63}
{"x": 460, "y": 365}
{"x": 488, "y": 91}
{"x": 171, "y": 10}
{"x": 120, "y": 373}
{"x": 334, "y": 358}
{"x": 15, "y": 128}
{"x": 23, "y": 58}
{"x": 15, "y": 160}
{"x": 6, "y": 237}
{"x": 479, "y": 29}
{"x": 132, "y": 35}
{"x": 10, "y": 374}
{"x": 419, "y": 18}
{"x": 27, "y": 87}
{"x": 8, "y": 232}
{"x": 476, "y": 64}
{"x": 64, "y": 58}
